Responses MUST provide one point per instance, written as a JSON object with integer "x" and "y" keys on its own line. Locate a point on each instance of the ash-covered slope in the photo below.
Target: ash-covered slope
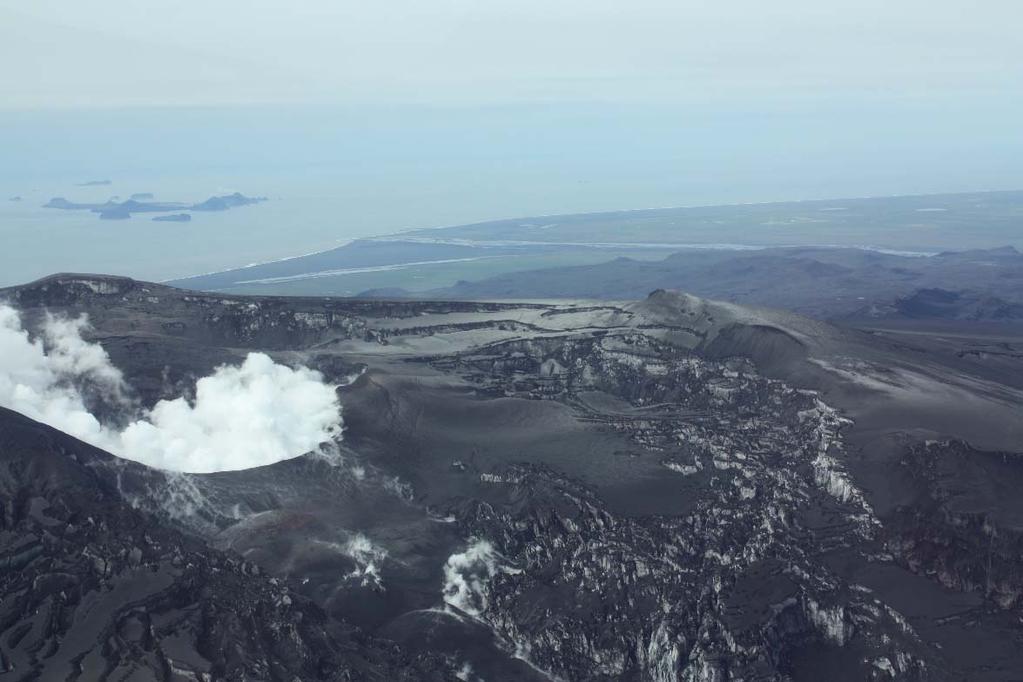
{"x": 668, "y": 489}
{"x": 94, "y": 589}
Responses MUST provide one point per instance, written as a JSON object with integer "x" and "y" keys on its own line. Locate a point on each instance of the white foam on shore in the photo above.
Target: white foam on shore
{"x": 355, "y": 271}
{"x": 341, "y": 244}
{"x": 511, "y": 243}
{"x": 665, "y": 246}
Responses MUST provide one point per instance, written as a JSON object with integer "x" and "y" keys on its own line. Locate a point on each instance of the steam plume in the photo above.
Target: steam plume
{"x": 246, "y": 416}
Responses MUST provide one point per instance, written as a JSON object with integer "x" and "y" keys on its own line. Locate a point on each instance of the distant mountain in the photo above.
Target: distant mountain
{"x": 956, "y": 305}
{"x": 532, "y": 248}
{"x": 823, "y": 283}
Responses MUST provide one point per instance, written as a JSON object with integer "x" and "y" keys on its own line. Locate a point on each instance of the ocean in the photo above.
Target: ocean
{"x": 332, "y": 176}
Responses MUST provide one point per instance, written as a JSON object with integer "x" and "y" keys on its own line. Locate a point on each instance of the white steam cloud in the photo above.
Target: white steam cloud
{"x": 251, "y": 415}
{"x": 368, "y": 559}
{"x": 467, "y": 577}
{"x": 255, "y": 414}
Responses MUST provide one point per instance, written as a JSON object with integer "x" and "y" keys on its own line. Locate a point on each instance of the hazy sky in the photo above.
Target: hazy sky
{"x": 362, "y": 117}
{"x": 114, "y": 53}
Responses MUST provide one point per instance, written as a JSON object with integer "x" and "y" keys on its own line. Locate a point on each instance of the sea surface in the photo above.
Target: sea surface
{"x": 334, "y": 176}
{"x": 305, "y": 212}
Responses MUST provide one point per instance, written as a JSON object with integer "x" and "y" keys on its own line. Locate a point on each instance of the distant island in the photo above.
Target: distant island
{"x": 14, "y": 199}
{"x": 114, "y": 210}
{"x": 141, "y": 196}
{"x": 226, "y": 202}
{"x": 95, "y": 183}
{"x": 131, "y": 206}
{"x": 173, "y": 218}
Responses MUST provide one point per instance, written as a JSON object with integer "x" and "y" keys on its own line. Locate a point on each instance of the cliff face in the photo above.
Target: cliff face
{"x": 667, "y": 490}
{"x": 963, "y": 525}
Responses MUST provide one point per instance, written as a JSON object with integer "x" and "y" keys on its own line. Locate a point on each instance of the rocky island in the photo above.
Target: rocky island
{"x": 173, "y": 218}
{"x": 115, "y": 210}
{"x": 225, "y": 202}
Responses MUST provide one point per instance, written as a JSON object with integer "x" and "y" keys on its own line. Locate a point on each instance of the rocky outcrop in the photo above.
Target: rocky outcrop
{"x": 588, "y": 593}
{"x": 963, "y": 527}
